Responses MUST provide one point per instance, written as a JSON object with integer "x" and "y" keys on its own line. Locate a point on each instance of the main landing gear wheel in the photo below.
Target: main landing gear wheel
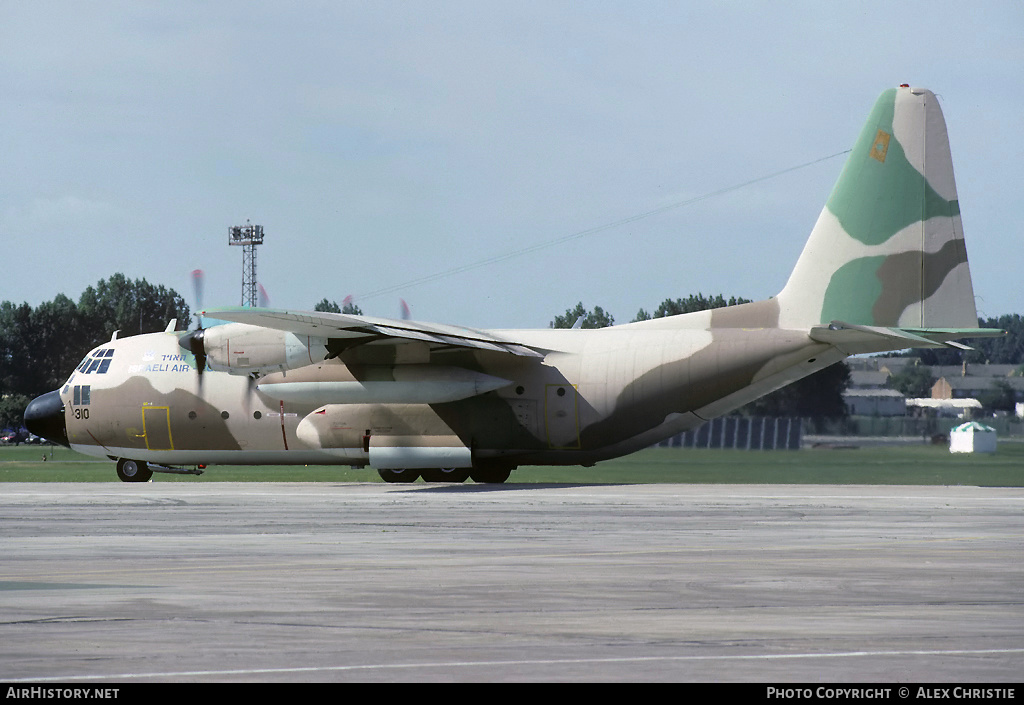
{"x": 133, "y": 470}
{"x": 490, "y": 475}
{"x": 445, "y": 475}
{"x": 398, "y": 475}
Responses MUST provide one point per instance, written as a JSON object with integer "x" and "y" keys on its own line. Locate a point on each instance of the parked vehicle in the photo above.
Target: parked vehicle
{"x": 15, "y": 436}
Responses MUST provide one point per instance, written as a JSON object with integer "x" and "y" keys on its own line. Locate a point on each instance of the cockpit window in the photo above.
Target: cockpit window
{"x": 97, "y": 361}
{"x": 82, "y": 395}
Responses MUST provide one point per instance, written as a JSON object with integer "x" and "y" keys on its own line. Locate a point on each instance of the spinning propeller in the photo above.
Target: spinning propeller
{"x": 348, "y": 307}
{"x": 193, "y": 341}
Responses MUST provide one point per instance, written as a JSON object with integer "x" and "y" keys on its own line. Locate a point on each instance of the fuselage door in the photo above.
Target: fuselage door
{"x": 156, "y": 427}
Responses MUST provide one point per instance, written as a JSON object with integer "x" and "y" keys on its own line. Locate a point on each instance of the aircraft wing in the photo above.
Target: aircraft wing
{"x": 346, "y": 331}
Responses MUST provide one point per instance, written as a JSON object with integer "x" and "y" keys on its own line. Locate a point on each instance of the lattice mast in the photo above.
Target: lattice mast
{"x": 247, "y": 236}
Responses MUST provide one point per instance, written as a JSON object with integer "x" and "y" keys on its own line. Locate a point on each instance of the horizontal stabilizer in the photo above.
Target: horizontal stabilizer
{"x": 860, "y": 338}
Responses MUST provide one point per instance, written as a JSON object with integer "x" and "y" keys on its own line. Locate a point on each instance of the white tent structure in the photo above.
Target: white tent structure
{"x": 972, "y": 437}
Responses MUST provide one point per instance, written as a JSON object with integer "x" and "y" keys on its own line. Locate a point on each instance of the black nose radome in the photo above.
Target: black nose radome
{"x": 44, "y": 416}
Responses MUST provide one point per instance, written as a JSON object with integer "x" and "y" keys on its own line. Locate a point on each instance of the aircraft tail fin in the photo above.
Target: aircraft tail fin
{"x": 888, "y": 248}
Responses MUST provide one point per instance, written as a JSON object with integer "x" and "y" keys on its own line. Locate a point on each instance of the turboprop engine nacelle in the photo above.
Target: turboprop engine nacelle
{"x": 242, "y": 349}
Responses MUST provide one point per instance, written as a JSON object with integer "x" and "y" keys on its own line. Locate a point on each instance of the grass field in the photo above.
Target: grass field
{"x": 869, "y": 465}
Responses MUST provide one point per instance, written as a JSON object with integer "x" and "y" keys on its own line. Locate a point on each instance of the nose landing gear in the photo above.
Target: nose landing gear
{"x": 140, "y": 471}
{"x": 133, "y": 470}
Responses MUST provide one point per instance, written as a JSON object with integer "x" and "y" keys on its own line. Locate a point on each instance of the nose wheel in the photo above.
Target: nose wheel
{"x": 133, "y": 470}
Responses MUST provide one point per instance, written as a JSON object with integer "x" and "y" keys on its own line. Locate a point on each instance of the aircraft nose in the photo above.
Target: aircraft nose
{"x": 44, "y": 416}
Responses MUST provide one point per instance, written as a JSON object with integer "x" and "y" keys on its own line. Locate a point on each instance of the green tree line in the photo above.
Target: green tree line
{"x": 1003, "y": 350}
{"x": 39, "y": 347}
{"x": 332, "y": 307}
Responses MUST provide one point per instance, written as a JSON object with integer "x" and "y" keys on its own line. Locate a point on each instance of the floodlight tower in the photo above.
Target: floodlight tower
{"x": 248, "y": 236}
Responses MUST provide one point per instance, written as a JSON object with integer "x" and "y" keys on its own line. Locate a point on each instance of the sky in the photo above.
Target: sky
{"x": 490, "y": 163}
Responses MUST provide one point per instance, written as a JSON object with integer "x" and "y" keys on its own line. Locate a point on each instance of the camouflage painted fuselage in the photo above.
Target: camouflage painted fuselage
{"x": 596, "y": 394}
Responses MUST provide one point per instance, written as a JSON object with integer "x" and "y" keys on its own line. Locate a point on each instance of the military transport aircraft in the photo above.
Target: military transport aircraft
{"x": 884, "y": 269}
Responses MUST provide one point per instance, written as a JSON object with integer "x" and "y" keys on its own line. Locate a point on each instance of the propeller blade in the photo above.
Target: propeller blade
{"x": 349, "y": 307}
{"x": 197, "y": 289}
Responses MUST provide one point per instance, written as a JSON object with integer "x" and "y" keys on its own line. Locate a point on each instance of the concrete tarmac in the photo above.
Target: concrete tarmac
{"x": 118, "y": 583}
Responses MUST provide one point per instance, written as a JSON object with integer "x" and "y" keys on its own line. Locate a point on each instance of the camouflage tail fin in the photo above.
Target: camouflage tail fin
{"x": 888, "y": 247}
